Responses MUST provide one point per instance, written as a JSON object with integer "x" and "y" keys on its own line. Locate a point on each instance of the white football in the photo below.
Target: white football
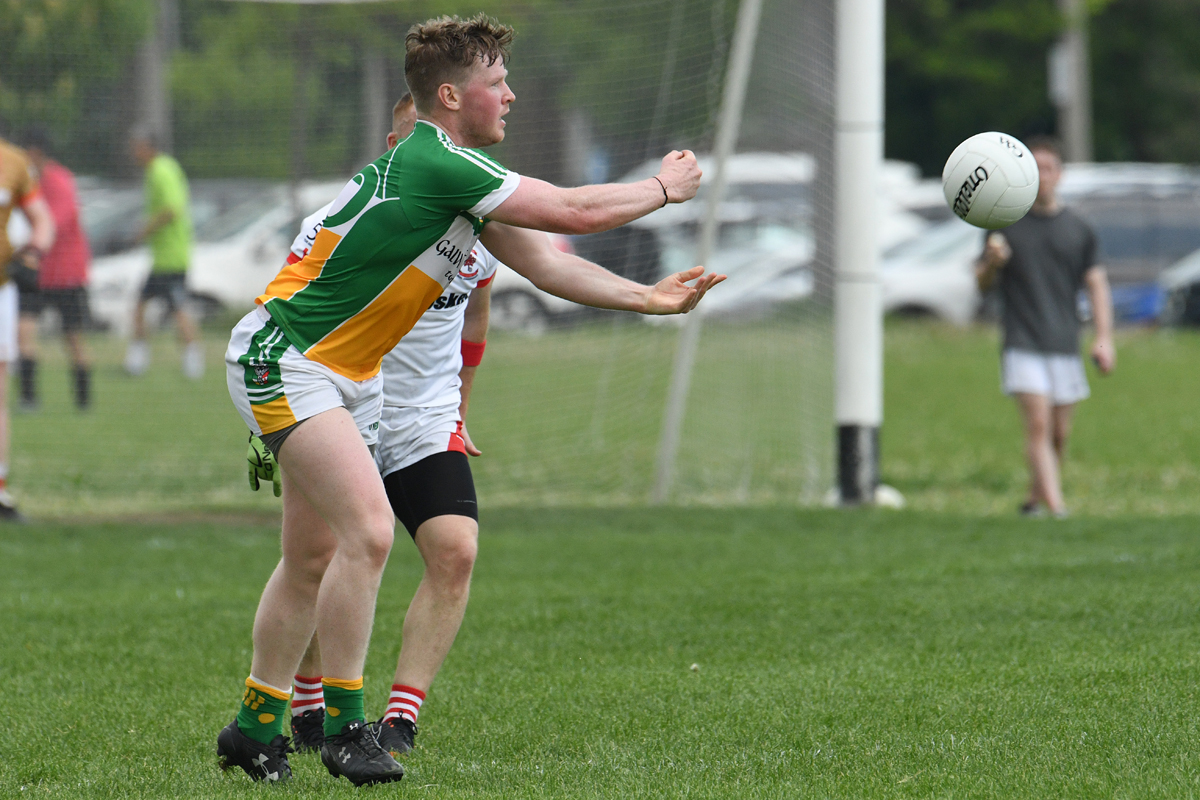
{"x": 990, "y": 180}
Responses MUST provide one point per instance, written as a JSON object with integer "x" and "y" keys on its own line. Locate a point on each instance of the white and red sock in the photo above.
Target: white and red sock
{"x": 308, "y": 695}
{"x": 405, "y": 701}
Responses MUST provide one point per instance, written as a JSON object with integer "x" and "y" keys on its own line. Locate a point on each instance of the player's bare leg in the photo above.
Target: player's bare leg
{"x": 288, "y": 608}
{"x": 8, "y": 507}
{"x": 326, "y": 464}
{"x": 327, "y": 461}
{"x": 1039, "y": 450}
{"x": 1061, "y": 418}
{"x": 137, "y": 355}
{"x": 448, "y": 544}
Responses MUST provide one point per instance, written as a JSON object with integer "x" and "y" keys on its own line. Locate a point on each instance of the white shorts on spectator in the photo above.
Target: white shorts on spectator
{"x": 1058, "y": 376}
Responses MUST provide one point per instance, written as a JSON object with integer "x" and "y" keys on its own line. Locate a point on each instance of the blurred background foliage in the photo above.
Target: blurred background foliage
{"x": 954, "y": 67}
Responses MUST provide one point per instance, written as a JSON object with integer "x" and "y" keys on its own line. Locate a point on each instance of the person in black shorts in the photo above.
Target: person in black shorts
{"x": 1040, "y": 264}
{"x": 62, "y": 279}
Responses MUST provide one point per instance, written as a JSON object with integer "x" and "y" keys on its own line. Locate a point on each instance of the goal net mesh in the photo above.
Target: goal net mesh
{"x": 268, "y": 106}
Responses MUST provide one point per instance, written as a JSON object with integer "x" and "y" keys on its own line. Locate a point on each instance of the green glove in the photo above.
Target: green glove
{"x": 263, "y": 465}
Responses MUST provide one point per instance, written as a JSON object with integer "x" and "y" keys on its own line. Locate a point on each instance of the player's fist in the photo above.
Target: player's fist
{"x": 997, "y": 251}
{"x": 680, "y": 175}
{"x": 263, "y": 465}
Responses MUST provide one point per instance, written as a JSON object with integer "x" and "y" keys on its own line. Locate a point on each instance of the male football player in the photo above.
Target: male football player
{"x": 422, "y": 456}
{"x": 303, "y": 368}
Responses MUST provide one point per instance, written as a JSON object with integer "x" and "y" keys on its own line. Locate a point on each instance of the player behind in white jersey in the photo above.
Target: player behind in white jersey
{"x": 422, "y": 457}
{"x": 303, "y": 367}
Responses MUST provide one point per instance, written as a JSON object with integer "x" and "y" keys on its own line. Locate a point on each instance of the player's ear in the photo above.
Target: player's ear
{"x": 391, "y": 140}
{"x": 449, "y": 95}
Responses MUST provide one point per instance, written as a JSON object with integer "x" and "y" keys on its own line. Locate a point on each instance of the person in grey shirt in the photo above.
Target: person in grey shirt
{"x": 1040, "y": 264}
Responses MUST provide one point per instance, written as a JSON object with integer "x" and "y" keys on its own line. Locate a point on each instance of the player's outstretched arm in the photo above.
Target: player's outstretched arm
{"x": 601, "y": 207}
{"x": 532, "y": 254}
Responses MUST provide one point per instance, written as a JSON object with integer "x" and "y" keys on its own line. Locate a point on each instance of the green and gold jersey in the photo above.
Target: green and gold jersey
{"x": 394, "y": 238}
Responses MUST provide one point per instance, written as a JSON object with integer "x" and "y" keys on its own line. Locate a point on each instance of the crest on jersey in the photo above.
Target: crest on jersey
{"x": 262, "y": 374}
{"x": 468, "y": 269}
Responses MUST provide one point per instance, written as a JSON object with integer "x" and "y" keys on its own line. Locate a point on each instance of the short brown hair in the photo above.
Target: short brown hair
{"x": 441, "y": 51}
{"x": 1047, "y": 143}
{"x": 401, "y": 106}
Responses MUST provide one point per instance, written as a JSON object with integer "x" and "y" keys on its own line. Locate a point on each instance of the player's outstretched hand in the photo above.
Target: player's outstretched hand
{"x": 472, "y": 450}
{"x": 262, "y": 465}
{"x": 680, "y": 175}
{"x": 672, "y": 295}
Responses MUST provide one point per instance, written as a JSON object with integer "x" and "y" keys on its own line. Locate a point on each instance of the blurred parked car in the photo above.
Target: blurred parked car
{"x": 1146, "y": 217}
{"x": 764, "y": 241}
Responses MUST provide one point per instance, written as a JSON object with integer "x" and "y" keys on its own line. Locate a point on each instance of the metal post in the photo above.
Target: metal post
{"x": 732, "y": 102}
{"x": 858, "y": 306}
{"x": 377, "y": 120}
{"x": 152, "y": 88}
{"x": 1071, "y": 82}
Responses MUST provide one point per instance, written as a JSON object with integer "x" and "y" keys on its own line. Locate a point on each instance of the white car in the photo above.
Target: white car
{"x": 237, "y": 251}
{"x": 934, "y": 272}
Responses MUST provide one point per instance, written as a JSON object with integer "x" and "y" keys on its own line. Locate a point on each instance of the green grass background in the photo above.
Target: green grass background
{"x": 951, "y": 650}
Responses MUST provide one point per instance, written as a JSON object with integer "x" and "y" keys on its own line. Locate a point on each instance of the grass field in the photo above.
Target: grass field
{"x": 952, "y": 650}
{"x": 840, "y": 655}
{"x": 573, "y": 420}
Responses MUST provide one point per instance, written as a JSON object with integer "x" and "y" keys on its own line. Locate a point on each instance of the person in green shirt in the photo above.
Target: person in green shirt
{"x": 168, "y": 230}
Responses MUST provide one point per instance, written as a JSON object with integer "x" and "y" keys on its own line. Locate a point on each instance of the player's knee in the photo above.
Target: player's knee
{"x": 454, "y": 559}
{"x": 376, "y": 539}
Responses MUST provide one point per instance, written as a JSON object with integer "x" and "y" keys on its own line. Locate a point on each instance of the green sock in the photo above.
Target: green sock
{"x": 343, "y": 704}
{"x": 261, "y": 714}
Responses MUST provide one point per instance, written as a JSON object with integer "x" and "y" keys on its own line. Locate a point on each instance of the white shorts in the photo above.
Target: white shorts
{"x": 274, "y": 386}
{"x": 1059, "y": 377}
{"x": 8, "y": 322}
{"x": 408, "y": 435}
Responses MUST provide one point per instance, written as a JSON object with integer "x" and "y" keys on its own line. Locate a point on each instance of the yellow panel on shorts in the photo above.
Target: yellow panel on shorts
{"x": 356, "y": 348}
{"x": 294, "y": 277}
{"x": 275, "y": 415}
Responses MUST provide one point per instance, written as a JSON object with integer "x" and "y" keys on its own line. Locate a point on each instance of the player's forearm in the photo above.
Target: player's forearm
{"x": 541, "y": 206}
{"x": 467, "y": 376}
{"x": 1100, "y": 296}
{"x": 580, "y": 281}
{"x": 606, "y": 206}
{"x": 41, "y": 224}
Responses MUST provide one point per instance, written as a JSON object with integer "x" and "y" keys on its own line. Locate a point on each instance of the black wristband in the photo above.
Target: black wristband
{"x": 664, "y": 188}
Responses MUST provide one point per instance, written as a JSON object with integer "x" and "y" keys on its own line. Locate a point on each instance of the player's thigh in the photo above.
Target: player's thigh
{"x": 327, "y": 460}
{"x": 1035, "y": 412}
{"x": 437, "y": 485}
{"x": 308, "y": 542}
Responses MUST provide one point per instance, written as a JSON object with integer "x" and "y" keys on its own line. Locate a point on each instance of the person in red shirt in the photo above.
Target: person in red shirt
{"x": 62, "y": 278}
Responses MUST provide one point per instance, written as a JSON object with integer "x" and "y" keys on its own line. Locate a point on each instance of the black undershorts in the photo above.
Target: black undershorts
{"x": 72, "y": 305}
{"x": 435, "y": 486}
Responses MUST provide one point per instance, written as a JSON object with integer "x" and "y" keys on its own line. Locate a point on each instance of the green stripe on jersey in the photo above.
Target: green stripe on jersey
{"x": 260, "y": 364}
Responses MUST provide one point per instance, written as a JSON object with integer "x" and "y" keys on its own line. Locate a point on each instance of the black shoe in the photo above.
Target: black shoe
{"x": 8, "y": 508}
{"x": 262, "y": 762}
{"x": 356, "y": 754}
{"x": 308, "y": 731}
{"x": 395, "y": 735}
